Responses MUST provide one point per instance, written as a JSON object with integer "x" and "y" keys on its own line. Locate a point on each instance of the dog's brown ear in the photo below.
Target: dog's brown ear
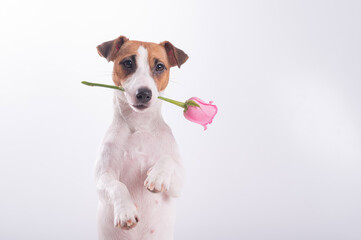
{"x": 176, "y": 57}
{"x": 109, "y": 49}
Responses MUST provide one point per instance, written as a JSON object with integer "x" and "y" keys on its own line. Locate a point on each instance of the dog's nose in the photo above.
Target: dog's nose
{"x": 144, "y": 95}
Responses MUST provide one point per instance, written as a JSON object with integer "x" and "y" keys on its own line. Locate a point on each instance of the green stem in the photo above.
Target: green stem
{"x": 180, "y": 104}
{"x": 102, "y": 85}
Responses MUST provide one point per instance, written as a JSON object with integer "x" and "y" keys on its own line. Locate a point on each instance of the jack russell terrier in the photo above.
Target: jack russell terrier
{"x": 138, "y": 170}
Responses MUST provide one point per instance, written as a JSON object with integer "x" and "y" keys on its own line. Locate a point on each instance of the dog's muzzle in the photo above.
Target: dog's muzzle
{"x": 143, "y": 96}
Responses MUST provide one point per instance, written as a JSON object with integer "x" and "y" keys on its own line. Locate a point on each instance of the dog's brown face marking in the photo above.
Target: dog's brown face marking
{"x": 125, "y": 63}
{"x": 161, "y": 57}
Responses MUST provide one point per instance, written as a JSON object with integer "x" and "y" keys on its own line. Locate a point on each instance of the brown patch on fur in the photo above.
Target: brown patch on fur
{"x": 109, "y": 49}
{"x": 176, "y": 56}
{"x": 119, "y": 49}
{"x": 129, "y": 48}
{"x": 157, "y": 52}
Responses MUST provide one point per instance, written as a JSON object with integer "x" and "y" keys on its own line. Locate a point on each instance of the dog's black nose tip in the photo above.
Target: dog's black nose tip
{"x": 144, "y": 95}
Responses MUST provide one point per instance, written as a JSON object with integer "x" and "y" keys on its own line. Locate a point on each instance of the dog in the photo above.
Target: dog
{"x": 138, "y": 170}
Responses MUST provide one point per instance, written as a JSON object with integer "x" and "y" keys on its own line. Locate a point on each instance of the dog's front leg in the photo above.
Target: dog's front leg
{"x": 165, "y": 176}
{"x": 117, "y": 194}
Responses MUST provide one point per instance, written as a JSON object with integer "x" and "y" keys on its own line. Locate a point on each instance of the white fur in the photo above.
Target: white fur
{"x": 141, "y": 78}
{"x": 135, "y": 144}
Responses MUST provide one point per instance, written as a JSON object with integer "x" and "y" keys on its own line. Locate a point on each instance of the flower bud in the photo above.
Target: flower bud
{"x": 199, "y": 111}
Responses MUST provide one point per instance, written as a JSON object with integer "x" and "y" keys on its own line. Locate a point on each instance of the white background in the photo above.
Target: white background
{"x": 282, "y": 159}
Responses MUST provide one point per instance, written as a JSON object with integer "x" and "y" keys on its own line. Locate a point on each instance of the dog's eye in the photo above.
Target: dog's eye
{"x": 128, "y": 63}
{"x": 160, "y": 67}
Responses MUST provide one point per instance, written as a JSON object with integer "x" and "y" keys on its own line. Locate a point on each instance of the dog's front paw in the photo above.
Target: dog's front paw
{"x": 157, "y": 180}
{"x": 125, "y": 217}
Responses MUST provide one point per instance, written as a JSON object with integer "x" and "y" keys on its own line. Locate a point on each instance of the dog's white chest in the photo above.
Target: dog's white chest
{"x": 141, "y": 145}
{"x": 140, "y": 153}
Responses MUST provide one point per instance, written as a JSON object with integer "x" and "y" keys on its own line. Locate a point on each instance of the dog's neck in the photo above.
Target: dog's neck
{"x": 147, "y": 120}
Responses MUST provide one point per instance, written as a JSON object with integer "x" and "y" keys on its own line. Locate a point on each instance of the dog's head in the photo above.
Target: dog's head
{"x": 141, "y": 68}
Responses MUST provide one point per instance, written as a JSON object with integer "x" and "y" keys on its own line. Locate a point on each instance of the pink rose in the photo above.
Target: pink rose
{"x": 202, "y": 114}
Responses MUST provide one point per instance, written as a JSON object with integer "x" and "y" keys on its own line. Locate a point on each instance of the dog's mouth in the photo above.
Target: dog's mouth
{"x": 140, "y": 106}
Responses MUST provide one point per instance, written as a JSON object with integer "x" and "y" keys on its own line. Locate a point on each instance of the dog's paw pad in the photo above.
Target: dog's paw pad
{"x": 125, "y": 217}
{"x": 157, "y": 181}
